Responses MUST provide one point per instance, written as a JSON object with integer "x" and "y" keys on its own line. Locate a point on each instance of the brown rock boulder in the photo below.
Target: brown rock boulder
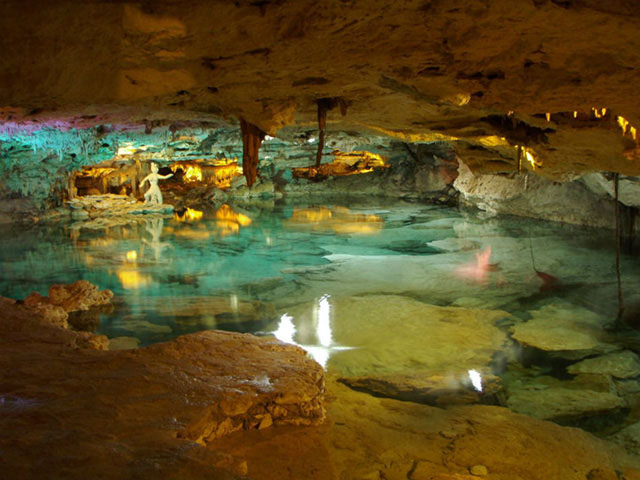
{"x": 80, "y": 295}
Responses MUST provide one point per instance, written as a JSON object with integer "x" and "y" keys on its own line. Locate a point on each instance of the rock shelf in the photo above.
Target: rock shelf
{"x": 92, "y": 409}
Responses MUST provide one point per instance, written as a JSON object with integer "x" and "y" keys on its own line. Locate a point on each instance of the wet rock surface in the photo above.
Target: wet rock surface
{"x": 428, "y": 387}
{"x": 122, "y": 412}
{"x": 563, "y": 405}
{"x": 564, "y": 329}
{"x": 624, "y": 364}
{"x": 375, "y": 438}
{"x": 433, "y": 338}
{"x": 80, "y": 295}
{"x": 629, "y": 437}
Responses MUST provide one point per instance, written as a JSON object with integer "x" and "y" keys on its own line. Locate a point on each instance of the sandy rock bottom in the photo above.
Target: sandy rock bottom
{"x": 380, "y": 438}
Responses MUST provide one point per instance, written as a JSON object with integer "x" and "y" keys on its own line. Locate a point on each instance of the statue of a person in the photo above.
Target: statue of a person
{"x": 153, "y": 195}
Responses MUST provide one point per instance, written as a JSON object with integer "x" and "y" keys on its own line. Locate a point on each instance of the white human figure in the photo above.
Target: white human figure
{"x": 153, "y": 195}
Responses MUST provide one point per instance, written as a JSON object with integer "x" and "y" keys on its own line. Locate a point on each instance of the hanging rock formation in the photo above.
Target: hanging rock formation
{"x": 252, "y": 138}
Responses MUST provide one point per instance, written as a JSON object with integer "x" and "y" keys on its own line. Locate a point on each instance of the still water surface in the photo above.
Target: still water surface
{"x": 360, "y": 287}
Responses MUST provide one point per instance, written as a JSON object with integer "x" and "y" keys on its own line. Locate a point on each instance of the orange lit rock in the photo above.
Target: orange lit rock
{"x": 128, "y": 413}
{"x": 80, "y": 295}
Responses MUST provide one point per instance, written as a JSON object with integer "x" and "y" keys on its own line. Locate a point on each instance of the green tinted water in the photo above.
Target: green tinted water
{"x": 358, "y": 287}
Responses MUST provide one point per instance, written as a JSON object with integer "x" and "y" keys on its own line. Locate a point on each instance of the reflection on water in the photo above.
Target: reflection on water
{"x": 362, "y": 289}
{"x": 131, "y": 279}
{"x": 476, "y": 379}
{"x": 336, "y": 219}
{"x": 324, "y": 346}
{"x": 188, "y": 215}
{"x": 229, "y": 221}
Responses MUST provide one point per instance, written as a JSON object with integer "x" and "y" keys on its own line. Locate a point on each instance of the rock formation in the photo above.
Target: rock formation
{"x": 144, "y": 404}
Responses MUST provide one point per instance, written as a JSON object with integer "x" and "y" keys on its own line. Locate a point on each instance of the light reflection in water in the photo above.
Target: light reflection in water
{"x": 325, "y": 348}
{"x": 286, "y": 330}
{"x": 229, "y": 221}
{"x": 132, "y": 279}
{"x": 189, "y": 215}
{"x": 336, "y": 219}
{"x": 324, "y": 322}
{"x": 476, "y": 379}
{"x": 478, "y": 271}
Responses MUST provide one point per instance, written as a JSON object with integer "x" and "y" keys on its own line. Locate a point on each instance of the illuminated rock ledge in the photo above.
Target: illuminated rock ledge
{"x": 121, "y": 412}
{"x": 109, "y": 205}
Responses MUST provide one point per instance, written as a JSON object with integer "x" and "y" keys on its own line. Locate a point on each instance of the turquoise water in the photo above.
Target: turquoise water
{"x": 281, "y": 255}
{"x": 360, "y": 287}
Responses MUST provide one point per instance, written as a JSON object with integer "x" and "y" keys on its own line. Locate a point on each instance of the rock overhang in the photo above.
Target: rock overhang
{"x": 556, "y": 78}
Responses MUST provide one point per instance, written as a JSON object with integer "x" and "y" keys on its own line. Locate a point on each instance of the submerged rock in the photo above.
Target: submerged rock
{"x": 124, "y": 343}
{"x": 438, "y": 389}
{"x": 625, "y": 364}
{"x": 562, "y": 404}
{"x": 80, "y": 295}
{"x": 394, "y": 334}
{"x": 629, "y": 437}
{"x": 565, "y": 329}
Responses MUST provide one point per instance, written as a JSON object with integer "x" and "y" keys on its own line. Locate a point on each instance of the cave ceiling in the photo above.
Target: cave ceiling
{"x": 557, "y": 78}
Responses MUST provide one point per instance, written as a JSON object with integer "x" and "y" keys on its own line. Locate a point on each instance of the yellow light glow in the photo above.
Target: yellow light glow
{"x": 413, "y": 137}
{"x": 193, "y": 173}
{"x": 575, "y": 114}
{"x": 337, "y": 219}
{"x": 311, "y": 215}
{"x": 189, "y": 215}
{"x": 364, "y": 159}
{"x": 224, "y": 174}
{"x": 132, "y": 255}
{"x": 132, "y": 279}
{"x": 126, "y": 150}
{"x": 225, "y": 212}
{"x": 344, "y": 163}
{"x": 229, "y": 222}
{"x": 548, "y": 115}
{"x": 493, "y": 141}
{"x": 219, "y": 172}
{"x": 530, "y": 156}
{"x": 634, "y": 132}
{"x": 192, "y": 233}
{"x": 624, "y": 124}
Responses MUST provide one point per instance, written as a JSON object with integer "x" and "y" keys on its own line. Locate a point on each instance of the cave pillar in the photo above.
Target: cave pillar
{"x": 252, "y": 138}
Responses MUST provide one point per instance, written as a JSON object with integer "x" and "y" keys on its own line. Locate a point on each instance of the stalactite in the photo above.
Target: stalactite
{"x": 324, "y": 105}
{"x": 252, "y": 138}
{"x": 616, "y": 181}
{"x": 519, "y": 159}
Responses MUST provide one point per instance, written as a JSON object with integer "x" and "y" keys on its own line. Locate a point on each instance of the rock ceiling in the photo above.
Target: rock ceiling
{"x": 557, "y": 77}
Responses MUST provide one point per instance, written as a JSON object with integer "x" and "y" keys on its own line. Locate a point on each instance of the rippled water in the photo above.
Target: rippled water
{"x": 360, "y": 287}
